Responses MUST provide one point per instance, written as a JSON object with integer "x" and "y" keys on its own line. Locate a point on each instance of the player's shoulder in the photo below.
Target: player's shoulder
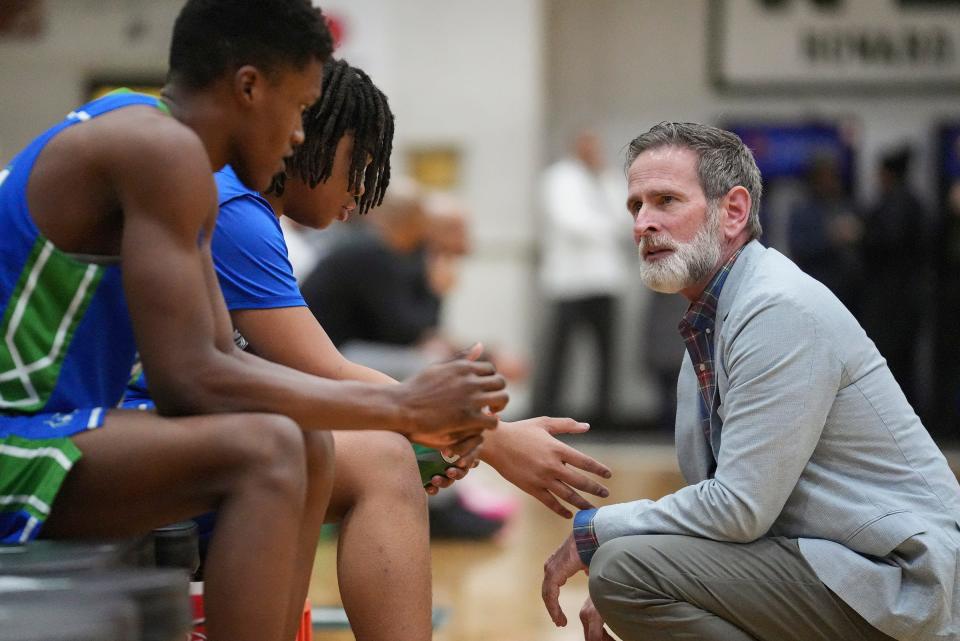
{"x": 230, "y": 188}
{"x": 143, "y": 135}
{"x": 248, "y": 219}
{"x": 154, "y": 160}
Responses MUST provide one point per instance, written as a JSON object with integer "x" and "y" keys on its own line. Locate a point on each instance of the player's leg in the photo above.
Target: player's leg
{"x": 383, "y": 559}
{"x": 320, "y": 475}
{"x": 140, "y": 471}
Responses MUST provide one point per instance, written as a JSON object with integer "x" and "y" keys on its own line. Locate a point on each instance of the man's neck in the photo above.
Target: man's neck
{"x": 202, "y": 111}
{"x": 276, "y": 203}
{"x": 694, "y": 292}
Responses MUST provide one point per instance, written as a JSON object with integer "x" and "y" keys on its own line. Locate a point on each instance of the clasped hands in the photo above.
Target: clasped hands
{"x": 528, "y": 455}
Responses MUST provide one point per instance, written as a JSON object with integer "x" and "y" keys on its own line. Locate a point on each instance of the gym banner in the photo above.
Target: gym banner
{"x": 835, "y": 45}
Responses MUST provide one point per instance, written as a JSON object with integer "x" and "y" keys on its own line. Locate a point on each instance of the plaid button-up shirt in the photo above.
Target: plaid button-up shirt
{"x": 696, "y": 327}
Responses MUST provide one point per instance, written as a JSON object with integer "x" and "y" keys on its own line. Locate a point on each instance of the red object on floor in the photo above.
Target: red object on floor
{"x": 305, "y": 633}
{"x": 199, "y": 632}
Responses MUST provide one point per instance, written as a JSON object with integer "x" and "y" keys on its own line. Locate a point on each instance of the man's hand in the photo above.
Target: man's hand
{"x": 455, "y": 472}
{"x": 593, "y": 629}
{"x": 447, "y": 403}
{"x": 561, "y": 565}
{"x": 526, "y": 454}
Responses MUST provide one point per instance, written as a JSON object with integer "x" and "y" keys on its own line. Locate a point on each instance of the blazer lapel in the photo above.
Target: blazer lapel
{"x": 745, "y": 264}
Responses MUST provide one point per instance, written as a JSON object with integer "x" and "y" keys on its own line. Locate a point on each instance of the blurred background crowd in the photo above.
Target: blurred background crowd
{"x": 505, "y": 221}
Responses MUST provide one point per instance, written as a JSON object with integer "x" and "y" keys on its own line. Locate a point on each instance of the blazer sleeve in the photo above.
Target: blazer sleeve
{"x": 783, "y": 378}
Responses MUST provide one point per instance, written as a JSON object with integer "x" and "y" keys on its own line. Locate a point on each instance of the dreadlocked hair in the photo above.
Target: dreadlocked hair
{"x": 350, "y": 104}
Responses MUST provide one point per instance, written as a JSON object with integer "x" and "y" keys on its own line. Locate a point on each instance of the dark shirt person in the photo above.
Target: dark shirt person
{"x": 897, "y": 259}
{"x": 825, "y": 234}
{"x": 373, "y": 285}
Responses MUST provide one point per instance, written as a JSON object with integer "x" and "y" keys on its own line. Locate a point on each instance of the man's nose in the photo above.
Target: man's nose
{"x": 298, "y": 136}
{"x": 644, "y": 225}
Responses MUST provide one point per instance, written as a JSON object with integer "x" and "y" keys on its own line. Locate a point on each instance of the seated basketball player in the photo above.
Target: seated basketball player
{"x": 125, "y": 182}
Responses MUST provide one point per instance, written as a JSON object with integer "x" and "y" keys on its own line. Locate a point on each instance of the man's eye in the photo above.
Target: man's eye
{"x": 666, "y": 200}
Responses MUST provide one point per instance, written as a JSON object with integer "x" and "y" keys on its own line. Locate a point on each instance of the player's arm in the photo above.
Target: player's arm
{"x": 166, "y": 190}
{"x": 526, "y": 453}
{"x": 293, "y": 337}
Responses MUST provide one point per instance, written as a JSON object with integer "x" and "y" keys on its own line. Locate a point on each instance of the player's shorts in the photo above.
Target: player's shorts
{"x": 36, "y": 454}
{"x": 134, "y": 402}
{"x": 137, "y": 396}
{"x": 54, "y": 425}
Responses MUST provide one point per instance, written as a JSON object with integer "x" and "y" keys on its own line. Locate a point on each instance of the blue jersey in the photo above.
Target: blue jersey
{"x": 250, "y": 256}
{"x": 67, "y": 342}
{"x": 249, "y": 251}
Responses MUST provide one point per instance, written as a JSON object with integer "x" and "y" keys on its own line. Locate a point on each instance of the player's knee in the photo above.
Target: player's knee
{"x": 395, "y": 450}
{"x": 396, "y": 468}
{"x": 275, "y": 453}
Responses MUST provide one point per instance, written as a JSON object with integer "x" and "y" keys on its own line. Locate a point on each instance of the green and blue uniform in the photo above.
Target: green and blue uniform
{"x": 66, "y": 343}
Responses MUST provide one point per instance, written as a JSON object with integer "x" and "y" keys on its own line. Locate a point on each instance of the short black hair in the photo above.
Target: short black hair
{"x": 212, "y": 37}
{"x": 350, "y": 104}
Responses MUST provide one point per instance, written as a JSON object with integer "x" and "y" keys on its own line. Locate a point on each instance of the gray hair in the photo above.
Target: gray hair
{"x": 723, "y": 161}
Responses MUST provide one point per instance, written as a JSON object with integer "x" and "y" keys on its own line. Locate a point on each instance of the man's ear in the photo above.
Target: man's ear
{"x": 736, "y": 204}
{"x": 247, "y": 84}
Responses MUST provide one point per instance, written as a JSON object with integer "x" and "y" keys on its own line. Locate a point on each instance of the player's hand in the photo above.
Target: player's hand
{"x": 593, "y": 629}
{"x": 472, "y": 353}
{"x": 456, "y": 471}
{"x": 561, "y": 565}
{"x": 449, "y": 402}
{"x": 527, "y": 454}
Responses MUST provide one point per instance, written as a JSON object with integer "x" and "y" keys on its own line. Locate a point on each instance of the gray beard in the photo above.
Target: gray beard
{"x": 690, "y": 262}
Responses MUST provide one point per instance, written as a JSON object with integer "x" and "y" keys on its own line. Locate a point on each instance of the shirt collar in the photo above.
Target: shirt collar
{"x": 702, "y": 313}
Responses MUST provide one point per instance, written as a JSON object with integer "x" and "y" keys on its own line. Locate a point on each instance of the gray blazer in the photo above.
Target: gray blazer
{"x": 817, "y": 443}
